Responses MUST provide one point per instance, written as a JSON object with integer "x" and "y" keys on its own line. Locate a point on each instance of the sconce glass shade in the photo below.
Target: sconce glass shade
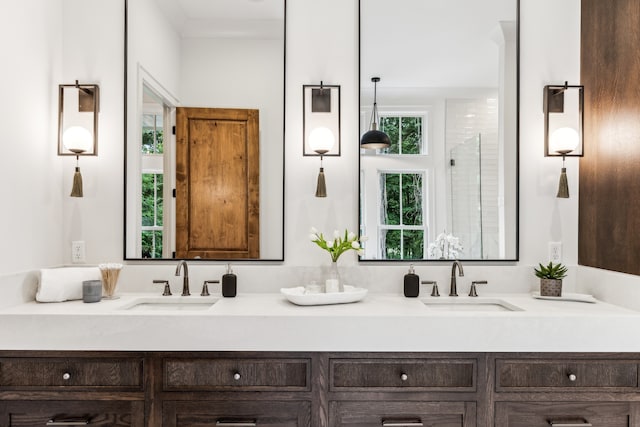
{"x": 77, "y": 139}
{"x": 321, "y": 140}
{"x": 564, "y": 140}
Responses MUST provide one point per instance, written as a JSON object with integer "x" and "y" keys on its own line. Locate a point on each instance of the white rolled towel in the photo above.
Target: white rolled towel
{"x": 65, "y": 283}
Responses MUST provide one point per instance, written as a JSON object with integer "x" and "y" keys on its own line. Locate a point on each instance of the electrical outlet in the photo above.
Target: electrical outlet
{"x": 77, "y": 251}
{"x": 555, "y": 252}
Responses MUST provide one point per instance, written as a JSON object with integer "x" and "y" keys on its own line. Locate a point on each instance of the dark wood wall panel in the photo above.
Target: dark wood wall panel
{"x": 609, "y": 218}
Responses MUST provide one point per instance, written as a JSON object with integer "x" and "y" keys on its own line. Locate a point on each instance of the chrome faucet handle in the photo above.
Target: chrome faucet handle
{"x": 205, "y": 287}
{"x": 167, "y": 288}
{"x": 434, "y": 290}
{"x": 473, "y": 292}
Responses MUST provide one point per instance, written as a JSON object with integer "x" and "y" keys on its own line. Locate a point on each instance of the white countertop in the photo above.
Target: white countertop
{"x": 268, "y": 322}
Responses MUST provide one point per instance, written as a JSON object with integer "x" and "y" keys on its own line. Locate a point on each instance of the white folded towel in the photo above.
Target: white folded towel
{"x": 62, "y": 284}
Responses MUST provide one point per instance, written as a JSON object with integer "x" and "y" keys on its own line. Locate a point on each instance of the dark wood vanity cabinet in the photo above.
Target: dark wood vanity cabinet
{"x": 221, "y": 413}
{"x": 236, "y": 390}
{"x": 566, "y": 390}
{"x": 268, "y": 389}
{"x": 438, "y": 390}
{"x": 99, "y": 413}
{"x": 567, "y": 414}
{"x": 58, "y": 389}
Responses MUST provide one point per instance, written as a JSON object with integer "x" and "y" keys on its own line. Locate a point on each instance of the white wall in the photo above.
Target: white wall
{"x": 30, "y": 170}
{"x": 39, "y": 208}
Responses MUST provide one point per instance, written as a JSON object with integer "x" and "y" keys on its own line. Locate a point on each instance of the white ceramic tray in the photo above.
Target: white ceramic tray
{"x": 298, "y": 296}
{"x": 567, "y": 297}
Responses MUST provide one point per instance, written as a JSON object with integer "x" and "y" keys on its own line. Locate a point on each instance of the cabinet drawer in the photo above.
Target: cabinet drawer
{"x": 92, "y": 413}
{"x": 538, "y": 414}
{"x": 403, "y": 374}
{"x": 402, "y": 414}
{"x": 229, "y": 414}
{"x": 71, "y": 373}
{"x": 585, "y": 375}
{"x": 237, "y": 374}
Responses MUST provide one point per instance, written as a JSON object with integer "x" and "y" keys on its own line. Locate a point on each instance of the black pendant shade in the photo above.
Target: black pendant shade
{"x": 374, "y": 138}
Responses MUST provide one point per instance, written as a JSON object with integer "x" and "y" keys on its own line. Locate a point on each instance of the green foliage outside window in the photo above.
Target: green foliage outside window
{"x": 152, "y": 244}
{"x": 152, "y": 214}
{"x": 405, "y": 134}
{"x": 152, "y": 134}
{"x": 402, "y": 206}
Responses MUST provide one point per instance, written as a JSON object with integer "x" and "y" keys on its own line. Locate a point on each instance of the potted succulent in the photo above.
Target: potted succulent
{"x": 551, "y": 277}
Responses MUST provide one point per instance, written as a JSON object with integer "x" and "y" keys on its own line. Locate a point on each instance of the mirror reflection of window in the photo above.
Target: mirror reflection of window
{"x": 154, "y": 191}
{"x": 402, "y": 228}
{"x": 405, "y": 133}
{"x": 152, "y": 205}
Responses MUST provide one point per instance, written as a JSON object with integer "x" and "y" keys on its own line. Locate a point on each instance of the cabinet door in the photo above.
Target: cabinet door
{"x": 402, "y": 414}
{"x": 65, "y": 413}
{"x": 574, "y": 414}
{"x": 236, "y": 414}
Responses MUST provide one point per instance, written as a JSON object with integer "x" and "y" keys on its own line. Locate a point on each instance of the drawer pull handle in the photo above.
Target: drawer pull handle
{"x": 572, "y": 377}
{"x": 69, "y": 421}
{"x": 237, "y": 376}
{"x": 400, "y": 423}
{"x": 570, "y": 423}
{"x": 66, "y": 376}
{"x": 404, "y": 377}
{"x": 230, "y": 423}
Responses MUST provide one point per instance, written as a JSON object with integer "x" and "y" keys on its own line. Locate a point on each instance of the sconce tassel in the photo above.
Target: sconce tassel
{"x": 76, "y": 189}
{"x": 321, "y": 188}
{"x": 563, "y": 186}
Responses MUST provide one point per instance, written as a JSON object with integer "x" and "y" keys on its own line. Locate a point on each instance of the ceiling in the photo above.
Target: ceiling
{"x": 225, "y": 18}
{"x": 433, "y": 43}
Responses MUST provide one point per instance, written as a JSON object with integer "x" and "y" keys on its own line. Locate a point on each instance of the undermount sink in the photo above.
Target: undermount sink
{"x": 469, "y": 304}
{"x": 168, "y": 303}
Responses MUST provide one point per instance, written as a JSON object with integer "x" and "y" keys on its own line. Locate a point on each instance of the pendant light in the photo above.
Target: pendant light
{"x": 374, "y": 138}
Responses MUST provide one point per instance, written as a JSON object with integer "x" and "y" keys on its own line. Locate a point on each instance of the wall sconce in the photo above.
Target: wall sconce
{"x": 374, "y": 138}
{"x": 78, "y": 106}
{"x": 563, "y": 126}
{"x": 321, "y": 125}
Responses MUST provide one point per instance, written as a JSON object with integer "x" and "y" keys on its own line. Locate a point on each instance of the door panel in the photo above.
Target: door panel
{"x": 217, "y": 183}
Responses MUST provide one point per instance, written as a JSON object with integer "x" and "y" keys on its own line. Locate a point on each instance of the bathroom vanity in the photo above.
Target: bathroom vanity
{"x": 319, "y": 389}
{"x": 260, "y": 360}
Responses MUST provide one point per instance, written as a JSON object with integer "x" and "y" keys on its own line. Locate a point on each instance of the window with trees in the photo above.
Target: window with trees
{"x": 152, "y": 185}
{"x": 402, "y": 221}
{"x": 405, "y": 133}
{"x": 402, "y": 227}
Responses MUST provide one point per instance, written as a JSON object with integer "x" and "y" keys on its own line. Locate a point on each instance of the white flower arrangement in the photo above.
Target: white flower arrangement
{"x": 339, "y": 244}
{"x": 446, "y": 246}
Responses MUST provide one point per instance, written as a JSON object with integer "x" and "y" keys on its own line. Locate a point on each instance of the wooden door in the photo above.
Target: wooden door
{"x": 217, "y": 183}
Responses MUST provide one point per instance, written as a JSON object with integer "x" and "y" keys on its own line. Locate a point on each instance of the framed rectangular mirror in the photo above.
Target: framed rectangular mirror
{"x": 447, "y": 187}
{"x": 214, "y": 191}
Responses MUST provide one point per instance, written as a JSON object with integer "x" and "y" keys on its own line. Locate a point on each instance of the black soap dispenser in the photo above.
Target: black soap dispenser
{"x": 411, "y": 283}
{"x": 229, "y": 283}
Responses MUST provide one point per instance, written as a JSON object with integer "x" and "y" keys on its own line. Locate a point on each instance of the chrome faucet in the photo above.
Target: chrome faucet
{"x": 185, "y": 280}
{"x": 453, "y": 290}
